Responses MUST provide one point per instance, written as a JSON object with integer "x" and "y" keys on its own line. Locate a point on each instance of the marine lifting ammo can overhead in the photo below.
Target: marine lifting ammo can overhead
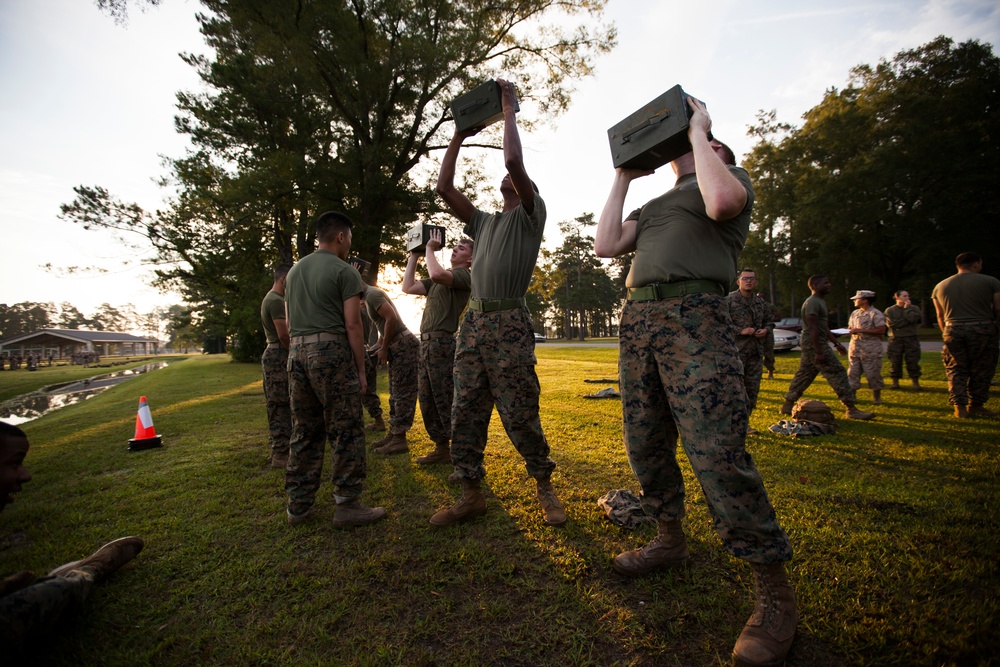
{"x": 654, "y": 135}
{"x": 418, "y": 236}
{"x": 479, "y": 107}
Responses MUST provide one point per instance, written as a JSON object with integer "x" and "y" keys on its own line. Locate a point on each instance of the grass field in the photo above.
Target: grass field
{"x": 894, "y": 525}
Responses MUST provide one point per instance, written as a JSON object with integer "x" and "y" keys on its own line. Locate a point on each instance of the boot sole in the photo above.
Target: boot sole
{"x": 453, "y": 520}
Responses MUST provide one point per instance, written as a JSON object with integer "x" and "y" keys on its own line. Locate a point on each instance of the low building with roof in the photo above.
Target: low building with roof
{"x": 63, "y": 343}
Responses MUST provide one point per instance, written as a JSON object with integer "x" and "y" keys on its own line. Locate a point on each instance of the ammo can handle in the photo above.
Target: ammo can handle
{"x": 472, "y": 105}
{"x": 657, "y": 117}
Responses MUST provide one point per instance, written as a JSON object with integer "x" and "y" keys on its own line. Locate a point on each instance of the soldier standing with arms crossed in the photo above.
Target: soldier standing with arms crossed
{"x": 326, "y": 376}
{"x": 902, "y": 321}
{"x": 447, "y": 292}
{"x": 679, "y": 374}
{"x": 495, "y": 352}
{"x": 274, "y": 363}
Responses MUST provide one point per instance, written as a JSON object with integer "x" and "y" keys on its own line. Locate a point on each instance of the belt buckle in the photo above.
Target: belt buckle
{"x": 656, "y": 292}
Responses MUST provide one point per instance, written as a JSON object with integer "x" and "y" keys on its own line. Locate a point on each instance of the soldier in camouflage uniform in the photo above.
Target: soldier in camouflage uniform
{"x": 679, "y": 372}
{"x": 867, "y": 326}
{"x": 274, "y": 363}
{"x": 370, "y": 399}
{"x": 447, "y": 292}
{"x": 769, "y": 338}
{"x": 902, "y": 320}
{"x": 400, "y": 348}
{"x": 326, "y": 367}
{"x": 31, "y": 607}
{"x": 495, "y": 353}
{"x": 817, "y": 357}
{"x": 751, "y": 318}
{"x": 968, "y": 305}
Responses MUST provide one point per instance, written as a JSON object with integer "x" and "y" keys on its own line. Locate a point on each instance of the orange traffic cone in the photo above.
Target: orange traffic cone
{"x": 145, "y": 434}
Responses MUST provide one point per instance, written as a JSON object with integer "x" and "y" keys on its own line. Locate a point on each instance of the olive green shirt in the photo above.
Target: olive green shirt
{"x": 272, "y": 308}
{"x": 445, "y": 304}
{"x": 815, "y": 305}
{"x": 967, "y": 297}
{"x": 374, "y": 298}
{"x": 506, "y": 250}
{"x": 902, "y": 322}
{"x": 315, "y": 291}
{"x": 676, "y": 240}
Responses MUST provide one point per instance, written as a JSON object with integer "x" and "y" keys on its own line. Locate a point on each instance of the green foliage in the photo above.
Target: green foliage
{"x": 25, "y": 317}
{"x": 330, "y": 105}
{"x": 892, "y": 524}
{"x": 886, "y": 181}
{"x": 583, "y": 294}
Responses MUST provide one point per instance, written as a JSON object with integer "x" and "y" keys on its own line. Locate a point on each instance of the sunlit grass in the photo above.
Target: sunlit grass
{"x": 892, "y": 523}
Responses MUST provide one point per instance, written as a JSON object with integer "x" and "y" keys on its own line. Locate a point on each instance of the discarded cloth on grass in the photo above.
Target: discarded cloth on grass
{"x": 623, "y": 508}
{"x": 802, "y": 428}
{"x": 609, "y": 392}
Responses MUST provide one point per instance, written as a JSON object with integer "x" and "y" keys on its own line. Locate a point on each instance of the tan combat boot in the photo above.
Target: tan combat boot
{"x": 352, "y": 513}
{"x": 441, "y": 454}
{"x": 853, "y": 413}
{"x": 980, "y": 411}
{"x": 279, "y": 460}
{"x": 877, "y": 396}
{"x": 395, "y": 443}
{"x": 786, "y": 407}
{"x": 377, "y": 425}
{"x": 895, "y": 383}
{"x": 668, "y": 549}
{"x": 105, "y": 560}
{"x": 768, "y": 634}
{"x": 471, "y": 504}
{"x": 553, "y": 510}
{"x": 916, "y": 384}
{"x": 961, "y": 412}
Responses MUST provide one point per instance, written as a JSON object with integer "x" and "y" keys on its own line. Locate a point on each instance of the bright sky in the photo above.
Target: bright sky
{"x": 88, "y": 102}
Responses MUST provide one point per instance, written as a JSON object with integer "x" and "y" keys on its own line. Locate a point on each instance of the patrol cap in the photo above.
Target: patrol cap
{"x": 863, "y": 294}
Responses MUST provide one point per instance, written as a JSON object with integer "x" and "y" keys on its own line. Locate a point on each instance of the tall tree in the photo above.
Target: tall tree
{"x": 25, "y": 317}
{"x": 584, "y": 295}
{"x": 311, "y": 106}
{"x": 888, "y": 179}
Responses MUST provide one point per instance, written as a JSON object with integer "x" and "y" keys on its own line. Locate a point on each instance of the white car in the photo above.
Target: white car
{"x": 785, "y": 340}
{"x": 539, "y": 338}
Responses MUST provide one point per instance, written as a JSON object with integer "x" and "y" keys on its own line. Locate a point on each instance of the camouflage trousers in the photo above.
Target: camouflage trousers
{"x": 752, "y": 369}
{"x": 680, "y": 375}
{"x": 404, "y": 359}
{"x": 829, "y": 365}
{"x": 274, "y": 363}
{"x": 970, "y": 356}
{"x": 437, "y": 385}
{"x": 865, "y": 356}
{"x": 495, "y": 365}
{"x": 907, "y": 348}
{"x": 33, "y": 612}
{"x": 370, "y": 399}
{"x": 326, "y": 405}
{"x": 769, "y": 350}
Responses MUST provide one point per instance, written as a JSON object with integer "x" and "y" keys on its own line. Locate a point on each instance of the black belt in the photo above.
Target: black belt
{"x": 658, "y": 291}
{"x": 322, "y": 337}
{"x": 435, "y": 334}
{"x": 490, "y": 305}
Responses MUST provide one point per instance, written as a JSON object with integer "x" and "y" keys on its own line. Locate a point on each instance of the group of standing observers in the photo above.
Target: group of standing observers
{"x": 680, "y": 369}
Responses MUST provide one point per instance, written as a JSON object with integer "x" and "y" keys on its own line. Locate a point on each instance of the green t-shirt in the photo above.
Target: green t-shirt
{"x": 315, "y": 291}
{"x": 815, "y": 305}
{"x": 374, "y": 298}
{"x": 271, "y": 308}
{"x": 445, "y": 304}
{"x": 967, "y": 297}
{"x": 506, "y": 250}
{"x": 902, "y": 322}
{"x": 676, "y": 240}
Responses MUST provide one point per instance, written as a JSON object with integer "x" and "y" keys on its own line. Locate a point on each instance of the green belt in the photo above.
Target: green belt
{"x": 658, "y": 291}
{"x": 490, "y": 305}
